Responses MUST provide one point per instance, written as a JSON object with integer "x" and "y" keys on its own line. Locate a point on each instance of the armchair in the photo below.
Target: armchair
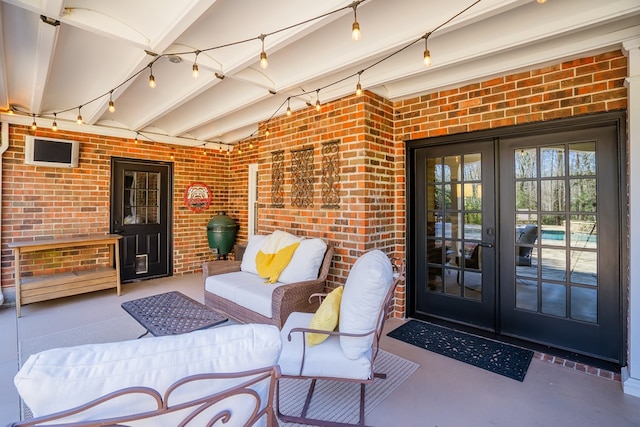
{"x": 347, "y": 355}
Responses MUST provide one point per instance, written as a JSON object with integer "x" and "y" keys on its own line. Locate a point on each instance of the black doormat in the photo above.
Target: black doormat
{"x": 497, "y": 357}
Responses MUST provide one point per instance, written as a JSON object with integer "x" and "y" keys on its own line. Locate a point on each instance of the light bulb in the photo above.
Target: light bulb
{"x": 251, "y": 145}
{"x": 266, "y": 132}
{"x": 427, "y": 58}
{"x": 263, "y": 60}
{"x": 152, "y": 81}
{"x": 355, "y": 31}
{"x": 34, "y": 126}
{"x": 542, "y": 1}
{"x": 112, "y": 106}
{"x": 79, "y": 119}
{"x": 196, "y": 72}
{"x": 288, "y": 110}
{"x": 54, "y": 125}
{"x": 358, "y": 89}
{"x": 317, "y": 105}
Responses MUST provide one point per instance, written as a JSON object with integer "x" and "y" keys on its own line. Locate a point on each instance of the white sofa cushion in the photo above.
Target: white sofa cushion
{"x": 364, "y": 292}
{"x": 62, "y": 378}
{"x": 246, "y": 289}
{"x": 305, "y": 263}
{"x": 324, "y": 360}
{"x": 254, "y": 244}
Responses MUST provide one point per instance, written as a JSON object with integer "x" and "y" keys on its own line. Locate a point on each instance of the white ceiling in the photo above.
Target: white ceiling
{"x": 100, "y": 46}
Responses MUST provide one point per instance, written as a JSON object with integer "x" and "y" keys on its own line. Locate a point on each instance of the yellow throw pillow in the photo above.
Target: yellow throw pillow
{"x": 326, "y": 318}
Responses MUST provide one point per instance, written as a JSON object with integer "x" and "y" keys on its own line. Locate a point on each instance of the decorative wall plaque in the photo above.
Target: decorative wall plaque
{"x": 277, "y": 179}
{"x": 302, "y": 179}
{"x": 197, "y": 196}
{"x": 330, "y": 175}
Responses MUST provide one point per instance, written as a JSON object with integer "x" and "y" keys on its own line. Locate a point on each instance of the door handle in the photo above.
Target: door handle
{"x": 486, "y": 245}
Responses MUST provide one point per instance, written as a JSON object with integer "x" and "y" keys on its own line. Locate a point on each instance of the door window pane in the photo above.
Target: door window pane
{"x": 526, "y": 196}
{"x": 526, "y": 163}
{"x": 553, "y": 230}
{"x": 527, "y": 294}
{"x": 584, "y": 267}
{"x": 583, "y": 231}
{"x": 552, "y": 161}
{"x": 141, "y": 194}
{"x": 554, "y": 264}
{"x": 582, "y": 195}
{"x": 584, "y": 304}
{"x": 554, "y": 299}
{"x": 552, "y": 195}
{"x": 582, "y": 158}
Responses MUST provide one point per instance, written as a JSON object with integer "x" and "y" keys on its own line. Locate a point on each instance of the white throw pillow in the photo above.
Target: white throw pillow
{"x": 364, "y": 292}
{"x": 305, "y": 263}
{"x": 249, "y": 258}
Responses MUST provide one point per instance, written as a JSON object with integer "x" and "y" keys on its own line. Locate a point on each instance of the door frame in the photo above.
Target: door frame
{"x": 168, "y": 229}
{"x": 616, "y": 118}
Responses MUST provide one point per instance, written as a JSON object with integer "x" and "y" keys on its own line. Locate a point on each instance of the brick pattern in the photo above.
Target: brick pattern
{"x": 581, "y": 367}
{"x": 588, "y": 85}
{"x": 41, "y": 202}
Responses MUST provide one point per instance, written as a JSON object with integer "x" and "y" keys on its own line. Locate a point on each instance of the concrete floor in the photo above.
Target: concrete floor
{"x": 442, "y": 392}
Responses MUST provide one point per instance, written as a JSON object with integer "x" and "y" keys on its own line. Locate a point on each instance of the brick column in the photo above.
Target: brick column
{"x": 631, "y": 372}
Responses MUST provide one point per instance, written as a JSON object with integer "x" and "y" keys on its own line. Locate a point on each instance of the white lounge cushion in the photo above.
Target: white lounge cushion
{"x": 364, "y": 291}
{"x": 246, "y": 289}
{"x": 323, "y": 360}
{"x": 62, "y": 378}
{"x": 254, "y": 244}
{"x": 305, "y": 263}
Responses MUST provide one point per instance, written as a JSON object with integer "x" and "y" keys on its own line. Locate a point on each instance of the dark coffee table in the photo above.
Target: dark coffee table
{"x": 172, "y": 313}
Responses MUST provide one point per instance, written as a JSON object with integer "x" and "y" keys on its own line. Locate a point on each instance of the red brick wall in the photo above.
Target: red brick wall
{"x": 366, "y": 217}
{"x": 40, "y": 202}
{"x": 371, "y": 132}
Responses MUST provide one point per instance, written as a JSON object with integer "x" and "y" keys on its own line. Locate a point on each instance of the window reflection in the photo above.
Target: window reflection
{"x": 555, "y": 192}
{"x": 141, "y": 198}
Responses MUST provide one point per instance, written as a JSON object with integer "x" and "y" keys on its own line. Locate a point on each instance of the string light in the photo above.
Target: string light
{"x": 79, "y": 119}
{"x": 112, "y": 105}
{"x": 355, "y": 28}
{"x": 263, "y": 55}
{"x": 427, "y": 55}
{"x": 196, "y": 72}
{"x": 356, "y": 35}
{"x": 54, "y": 125}
{"x": 173, "y": 157}
{"x": 152, "y": 80}
{"x": 135, "y": 140}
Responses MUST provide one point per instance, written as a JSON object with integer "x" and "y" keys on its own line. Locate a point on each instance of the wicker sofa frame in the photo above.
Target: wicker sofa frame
{"x": 285, "y": 300}
{"x": 193, "y": 407}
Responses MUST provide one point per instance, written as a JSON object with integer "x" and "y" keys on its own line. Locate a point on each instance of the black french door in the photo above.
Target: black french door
{"x": 518, "y": 232}
{"x": 455, "y": 232}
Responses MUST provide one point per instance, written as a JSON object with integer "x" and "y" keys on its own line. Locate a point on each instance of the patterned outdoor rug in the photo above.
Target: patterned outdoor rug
{"x": 493, "y": 356}
{"x": 339, "y": 401}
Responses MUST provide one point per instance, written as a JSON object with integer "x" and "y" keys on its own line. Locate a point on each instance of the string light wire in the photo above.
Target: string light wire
{"x": 260, "y": 37}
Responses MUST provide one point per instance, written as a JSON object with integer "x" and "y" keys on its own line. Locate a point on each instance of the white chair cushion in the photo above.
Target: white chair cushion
{"x": 254, "y": 244}
{"x": 246, "y": 289}
{"x": 323, "y": 360}
{"x": 59, "y": 379}
{"x": 305, "y": 263}
{"x": 364, "y": 292}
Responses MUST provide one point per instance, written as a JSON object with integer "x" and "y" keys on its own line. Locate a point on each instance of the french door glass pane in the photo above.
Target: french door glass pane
{"x": 555, "y": 204}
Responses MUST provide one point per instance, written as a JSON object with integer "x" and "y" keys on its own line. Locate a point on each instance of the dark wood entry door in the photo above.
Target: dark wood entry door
{"x": 454, "y": 237}
{"x": 140, "y": 206}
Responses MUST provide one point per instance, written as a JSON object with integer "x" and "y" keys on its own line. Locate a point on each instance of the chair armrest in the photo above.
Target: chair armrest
{"x": 211, "y": 268}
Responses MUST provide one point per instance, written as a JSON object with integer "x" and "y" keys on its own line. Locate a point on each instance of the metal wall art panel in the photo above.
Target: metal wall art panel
{"x": 302, "y": 179}
{"x": 277, "y": 179}
{"x": 330, "y": 175}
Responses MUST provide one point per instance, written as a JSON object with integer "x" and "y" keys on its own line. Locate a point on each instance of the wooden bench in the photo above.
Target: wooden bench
{"x": 42, "y": 288}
